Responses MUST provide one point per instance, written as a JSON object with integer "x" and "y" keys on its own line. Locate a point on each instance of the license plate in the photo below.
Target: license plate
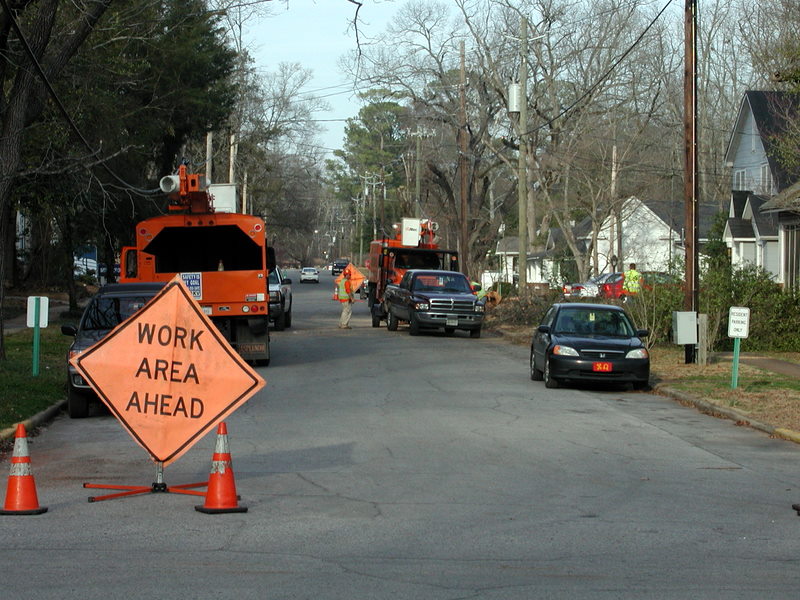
{"x": 602, "y": 367}
{"x": 452, "y": 322}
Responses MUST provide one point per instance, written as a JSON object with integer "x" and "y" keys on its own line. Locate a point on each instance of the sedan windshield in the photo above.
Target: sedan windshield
{"x": 446, "y": 284}
{"x": 593, "y": 321}
{"x": 105, "y": 313}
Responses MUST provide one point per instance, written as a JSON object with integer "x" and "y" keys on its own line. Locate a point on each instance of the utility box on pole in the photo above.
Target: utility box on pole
{"x": 684, "y": 327}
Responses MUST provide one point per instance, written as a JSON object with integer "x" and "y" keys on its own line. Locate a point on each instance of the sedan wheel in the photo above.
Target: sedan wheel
{"x": 536, "y": 374}
{"x": 549, "y": 382}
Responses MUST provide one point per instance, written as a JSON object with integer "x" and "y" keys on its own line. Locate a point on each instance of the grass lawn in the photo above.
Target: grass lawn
{"x": 21, "y": 394}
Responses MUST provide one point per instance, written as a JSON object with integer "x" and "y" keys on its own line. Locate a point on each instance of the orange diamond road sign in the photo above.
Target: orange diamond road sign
{"x": 167, "y": 374}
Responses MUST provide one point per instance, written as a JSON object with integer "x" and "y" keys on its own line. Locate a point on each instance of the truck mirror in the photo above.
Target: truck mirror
{"x": 271, "y": 262}
{"x": 129, "y": 263}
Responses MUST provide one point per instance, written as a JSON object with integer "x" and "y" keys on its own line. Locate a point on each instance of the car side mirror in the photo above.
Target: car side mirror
{"x": 642, "y": 332}
{"x": 543, "y": 329}
{"x": 287, "y": 281}
{"x": 476, "y": 287}
{"x": 69, "y": 330}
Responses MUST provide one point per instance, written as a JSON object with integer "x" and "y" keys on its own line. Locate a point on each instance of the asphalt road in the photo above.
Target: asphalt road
{"x": 379, "y": 465}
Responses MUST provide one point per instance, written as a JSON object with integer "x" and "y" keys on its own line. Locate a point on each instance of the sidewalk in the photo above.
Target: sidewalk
{"x": 775, "y": 365}
{"x": 56, "y": 307}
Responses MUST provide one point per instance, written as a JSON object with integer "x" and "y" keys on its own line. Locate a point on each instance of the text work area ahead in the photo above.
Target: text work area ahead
{"x": 168, "y": 374}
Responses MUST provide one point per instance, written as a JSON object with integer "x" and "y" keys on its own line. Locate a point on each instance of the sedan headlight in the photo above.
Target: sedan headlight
{"x": 565, "y": 351}
{"x": 638, "y": 353}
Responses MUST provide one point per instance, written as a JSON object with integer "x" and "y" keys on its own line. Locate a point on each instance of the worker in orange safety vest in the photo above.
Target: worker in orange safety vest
{"x": 346, "y": 298}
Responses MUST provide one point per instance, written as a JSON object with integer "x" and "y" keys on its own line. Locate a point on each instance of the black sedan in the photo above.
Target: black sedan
{"x": 589, "y": 342}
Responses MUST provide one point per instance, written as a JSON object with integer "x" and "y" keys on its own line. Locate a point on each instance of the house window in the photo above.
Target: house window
{"x": 740, "y": 179}
{"x": 791, "y": 258}
{"x": 766, "y": 179}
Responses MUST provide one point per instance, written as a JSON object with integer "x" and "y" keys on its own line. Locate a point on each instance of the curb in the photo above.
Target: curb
{"x": 35, "y": 421}
{"x": 720, "y": 411}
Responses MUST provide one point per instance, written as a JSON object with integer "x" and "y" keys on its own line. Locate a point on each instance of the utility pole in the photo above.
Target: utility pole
{"x": 615, "y": 239}
{"x": 690, "y": 300}
{"x": 417, "y": 177}
{"x": 522, "y": 178}
{"x": 463, "y": 243}
{"x": 209, "y": 155}
{"x": 232, "y": 160}
{"x": 369, "y": 179}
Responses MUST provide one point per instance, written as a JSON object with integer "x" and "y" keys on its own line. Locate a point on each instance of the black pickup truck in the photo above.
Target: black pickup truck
{"x": 434, "y": 300}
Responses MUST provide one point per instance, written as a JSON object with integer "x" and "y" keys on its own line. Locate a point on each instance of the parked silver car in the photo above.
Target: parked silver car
{"x": 280, "y": 299}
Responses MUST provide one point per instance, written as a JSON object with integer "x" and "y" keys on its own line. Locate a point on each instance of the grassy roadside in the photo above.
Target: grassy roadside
{"x": 764, "y": 396}
{"x": 21, "y": 394}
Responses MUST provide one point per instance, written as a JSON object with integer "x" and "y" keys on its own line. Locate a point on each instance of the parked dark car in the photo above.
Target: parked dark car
{"x": 433, "y": 300}
{"x": 110, "y": 306}
{"x": 589, "y": 342}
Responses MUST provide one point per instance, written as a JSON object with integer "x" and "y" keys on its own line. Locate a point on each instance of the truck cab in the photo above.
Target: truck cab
{"x": 431, "y": 299}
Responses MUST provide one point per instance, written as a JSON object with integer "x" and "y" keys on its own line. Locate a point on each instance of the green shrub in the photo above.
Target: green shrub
{"x": 652, "y": 309}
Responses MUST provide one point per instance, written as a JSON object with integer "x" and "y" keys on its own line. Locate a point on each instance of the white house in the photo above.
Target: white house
{"x": 651, "y": 235}
{"x": 751, "y": 235}
{"x": 762, "y": 188}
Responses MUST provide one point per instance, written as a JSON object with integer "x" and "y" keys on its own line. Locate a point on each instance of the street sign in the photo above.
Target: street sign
{"x": 168, "y": 374}
{"x": 39, "y": 312}
{"x": 738, "y": 322}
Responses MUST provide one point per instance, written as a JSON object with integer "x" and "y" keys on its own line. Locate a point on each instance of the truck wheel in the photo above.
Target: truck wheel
{"x": 287, "y": 319}
{"x": 475, "y": 333}
{"x": 280, "y": 322}
{"x": 77, "y": 405}
{"x": 413, "y": 325}
{"x": 391, "y": 321}
{"x": 376, "y": 321}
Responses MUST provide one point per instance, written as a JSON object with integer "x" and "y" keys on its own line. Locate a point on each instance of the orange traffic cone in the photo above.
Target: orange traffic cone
{"x": 21, "y": 496}
{"x": 221, "y": 493}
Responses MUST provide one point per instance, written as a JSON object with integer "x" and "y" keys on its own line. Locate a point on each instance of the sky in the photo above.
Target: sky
{"x": 316, "y": 33}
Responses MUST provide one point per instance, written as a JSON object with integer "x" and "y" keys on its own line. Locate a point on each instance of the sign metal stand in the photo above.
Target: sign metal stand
{"x": 738, "y": 328}
{"x": 158, "y": 486}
